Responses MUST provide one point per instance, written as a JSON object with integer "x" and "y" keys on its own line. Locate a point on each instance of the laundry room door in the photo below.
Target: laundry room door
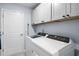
{"x": 13, "y": 32}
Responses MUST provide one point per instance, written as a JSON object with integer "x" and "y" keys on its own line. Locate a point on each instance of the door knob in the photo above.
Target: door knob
{"x": 21, "y": 34}
{"x": 1, "y": 33}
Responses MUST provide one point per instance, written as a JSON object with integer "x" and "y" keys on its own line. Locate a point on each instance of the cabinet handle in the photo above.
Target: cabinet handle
{"x": 67, "y": 15}
{"x": 63, "y": 16}
{"x": 32, "y": 51}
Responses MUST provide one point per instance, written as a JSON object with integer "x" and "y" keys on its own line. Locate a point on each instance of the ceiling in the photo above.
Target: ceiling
{"x": 30, "y": 5}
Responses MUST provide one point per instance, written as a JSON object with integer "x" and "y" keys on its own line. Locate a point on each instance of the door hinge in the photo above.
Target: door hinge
{"x": 2, "y": 50}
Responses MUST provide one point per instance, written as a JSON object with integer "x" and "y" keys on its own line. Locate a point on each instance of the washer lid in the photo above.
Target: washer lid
{"x": 51, "y": 46}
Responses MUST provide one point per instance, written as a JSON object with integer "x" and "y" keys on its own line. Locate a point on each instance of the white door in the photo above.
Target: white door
{"x": 13, "y": 28}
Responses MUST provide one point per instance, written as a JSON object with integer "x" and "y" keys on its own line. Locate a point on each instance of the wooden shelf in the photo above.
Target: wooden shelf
{"x": 59, "y": 20}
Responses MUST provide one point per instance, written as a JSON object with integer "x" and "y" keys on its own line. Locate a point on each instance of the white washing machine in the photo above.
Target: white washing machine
{"x": 44, "y": 46}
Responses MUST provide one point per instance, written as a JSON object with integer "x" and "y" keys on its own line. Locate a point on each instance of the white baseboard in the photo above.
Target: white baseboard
{"x": 21, "y": 53}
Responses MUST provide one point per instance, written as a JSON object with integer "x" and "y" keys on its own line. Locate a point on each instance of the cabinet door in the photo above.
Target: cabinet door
{"x": 45, "y": 12}
{"x": 59, "y": 10}
{"x": 35, "y": 17}
{"x": 68, "y": 10}
{"x": 42, "y": 13}
{"x": 74, "y": 9}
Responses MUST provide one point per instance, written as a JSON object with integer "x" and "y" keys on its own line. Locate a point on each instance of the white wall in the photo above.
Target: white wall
{"x": 27, "y": 12}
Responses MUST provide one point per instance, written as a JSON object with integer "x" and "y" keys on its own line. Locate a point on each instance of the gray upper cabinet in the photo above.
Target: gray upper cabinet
{"x": 42, "y": 13}
{"x": 60, "y": 10}
{"x": 54, "y": 11}
{"x": 74, "y": 9}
